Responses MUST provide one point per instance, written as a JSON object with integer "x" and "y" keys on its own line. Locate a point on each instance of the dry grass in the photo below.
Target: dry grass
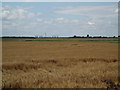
{"x": 60, "y": 64}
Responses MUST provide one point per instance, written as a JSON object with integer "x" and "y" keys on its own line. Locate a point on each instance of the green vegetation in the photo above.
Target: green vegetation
{"x": 111, "y": 41}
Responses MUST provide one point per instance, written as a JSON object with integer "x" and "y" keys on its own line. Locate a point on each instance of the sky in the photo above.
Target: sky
{"x": 59, "y": 0}
{"x": 59, "y": 18}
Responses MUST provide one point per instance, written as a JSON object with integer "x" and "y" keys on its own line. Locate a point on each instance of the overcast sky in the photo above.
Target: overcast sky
{"x": 60, "y": 18}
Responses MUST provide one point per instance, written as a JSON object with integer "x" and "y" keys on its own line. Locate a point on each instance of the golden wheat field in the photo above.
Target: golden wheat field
{"x": 60, "y": 63}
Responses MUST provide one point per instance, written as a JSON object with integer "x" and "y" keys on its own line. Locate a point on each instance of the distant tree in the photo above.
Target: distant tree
{"x": 74, "y": 36}
{"x": 88, "y": 35}
{"x": 113, "y": 36}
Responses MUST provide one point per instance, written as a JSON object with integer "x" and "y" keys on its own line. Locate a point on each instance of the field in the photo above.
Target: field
{"x": 60, "y": 63}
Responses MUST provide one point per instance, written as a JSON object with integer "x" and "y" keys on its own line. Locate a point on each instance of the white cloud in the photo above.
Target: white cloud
{"x": 39, "y": 20}
{"x": 48, "y": 22}
{"x": 116, "y": 10}
{"x": 39, "y": 14}
{"x": 31, "y": 15}
{"x": 63, "y": 20}
{"x": 12, "y": 14}
{"x": 29, "y": 7}
{"x": 60, "y": 19}
{"x": 88, "y": 10}
{"x": 54, "y": 21}
{"x": 75, "y": 21}
{"x": 5, "y": 13}
{"x": 9, "y": 13}
{"x": 91, "y": 23}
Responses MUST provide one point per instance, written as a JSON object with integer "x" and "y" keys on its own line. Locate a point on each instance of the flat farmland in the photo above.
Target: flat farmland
{"x": 60, "y": 63}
